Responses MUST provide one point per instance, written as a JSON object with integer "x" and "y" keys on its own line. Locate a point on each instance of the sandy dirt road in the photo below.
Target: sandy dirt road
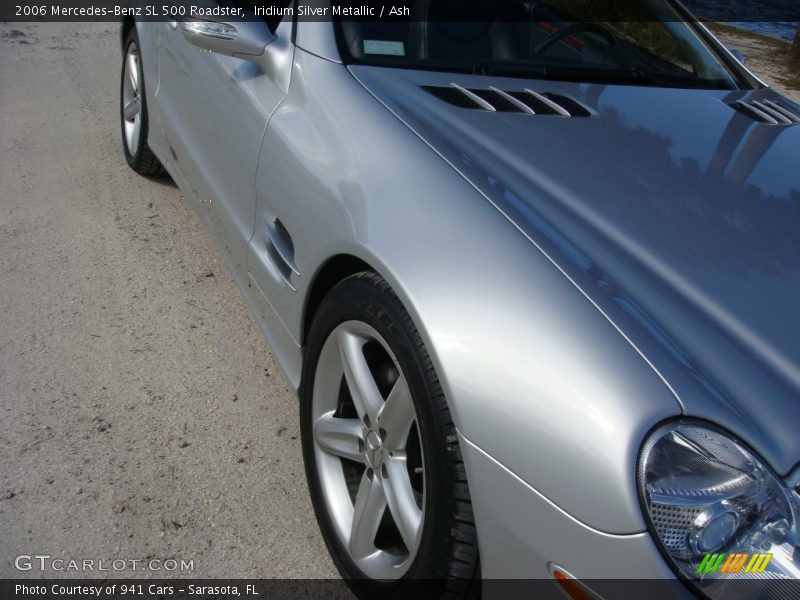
{"x": 766, "y": 60}
{"x": 141, "y": 413}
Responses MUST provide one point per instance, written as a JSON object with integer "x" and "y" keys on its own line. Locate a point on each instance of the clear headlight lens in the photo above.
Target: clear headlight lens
{"x": 716, "y": 509}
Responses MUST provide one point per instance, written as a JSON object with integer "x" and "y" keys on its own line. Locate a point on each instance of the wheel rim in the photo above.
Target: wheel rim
{"x": 132, "y": 105}
{"x": 368, "y": 452}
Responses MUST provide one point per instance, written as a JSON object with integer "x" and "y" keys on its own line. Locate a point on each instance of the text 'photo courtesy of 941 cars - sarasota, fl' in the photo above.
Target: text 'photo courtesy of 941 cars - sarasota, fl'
{"x": 535, "y": 279}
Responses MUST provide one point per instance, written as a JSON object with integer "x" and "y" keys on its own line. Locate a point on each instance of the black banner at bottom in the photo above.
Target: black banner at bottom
{"x": 311, "y": 589}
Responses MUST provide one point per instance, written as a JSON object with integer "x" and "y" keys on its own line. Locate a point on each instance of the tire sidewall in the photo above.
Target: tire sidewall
{"x": 360, "y": 300}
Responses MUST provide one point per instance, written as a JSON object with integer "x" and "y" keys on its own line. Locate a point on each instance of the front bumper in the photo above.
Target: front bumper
{"x": 522, "y": 534}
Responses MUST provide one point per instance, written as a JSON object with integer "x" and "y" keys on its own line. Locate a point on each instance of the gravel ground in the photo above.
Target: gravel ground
{"x": 141, "y": 412}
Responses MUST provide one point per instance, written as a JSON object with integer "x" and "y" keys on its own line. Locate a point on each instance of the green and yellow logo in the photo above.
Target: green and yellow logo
{"x": 733, "y": 563}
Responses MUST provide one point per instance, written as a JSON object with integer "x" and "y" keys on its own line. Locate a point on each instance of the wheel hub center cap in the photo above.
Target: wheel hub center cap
{"x": 373, "y": 450}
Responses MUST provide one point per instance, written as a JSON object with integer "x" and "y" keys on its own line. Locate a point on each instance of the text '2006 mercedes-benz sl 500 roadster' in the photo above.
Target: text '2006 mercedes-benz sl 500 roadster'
{"x": 534, "y": 276}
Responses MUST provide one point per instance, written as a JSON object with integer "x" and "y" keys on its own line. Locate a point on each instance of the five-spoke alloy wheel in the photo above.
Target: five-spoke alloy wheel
{"x": 382, "y": 459}
{"x": 367, "y": 450}
{"x": 132, "y": 99}
{"x": 133, "y": 111}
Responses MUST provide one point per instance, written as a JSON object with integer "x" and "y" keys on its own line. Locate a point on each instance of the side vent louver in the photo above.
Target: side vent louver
{"x": 280, "y": 249}
{"x": 767, "y": 111}
{"x": 524, "y": 101}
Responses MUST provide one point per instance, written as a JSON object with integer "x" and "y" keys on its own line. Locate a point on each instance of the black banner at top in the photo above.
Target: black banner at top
{"x": 786, "y": 12}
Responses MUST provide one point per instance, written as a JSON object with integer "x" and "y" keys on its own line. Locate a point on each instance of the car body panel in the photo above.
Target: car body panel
{"x": 321, "y": 164}
{"x": 519, "y": 518}
{"x": 682, "y": 227}
{"x": 214, "y": 111}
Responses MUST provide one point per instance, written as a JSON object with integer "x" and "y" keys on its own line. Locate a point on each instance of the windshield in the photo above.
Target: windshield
{"x": 627, "y": 41}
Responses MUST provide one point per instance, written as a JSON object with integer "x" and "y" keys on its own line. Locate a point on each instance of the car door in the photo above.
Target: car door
{"x": 214, "y": 110}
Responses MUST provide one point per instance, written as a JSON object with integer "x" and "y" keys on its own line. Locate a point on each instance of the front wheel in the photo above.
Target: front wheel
{"x": 133, "y": 111}
{"x": 382, "y": 458}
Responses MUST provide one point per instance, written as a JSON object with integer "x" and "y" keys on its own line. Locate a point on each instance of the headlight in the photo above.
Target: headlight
{"x": 716, "y": 509}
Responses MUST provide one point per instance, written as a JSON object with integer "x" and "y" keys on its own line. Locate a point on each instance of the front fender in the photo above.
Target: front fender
{"x": 535, "y": 375}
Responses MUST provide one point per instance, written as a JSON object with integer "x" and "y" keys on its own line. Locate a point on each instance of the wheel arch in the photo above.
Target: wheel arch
{"x": 348, "y": 260}
{"x": 127, "y": 24}
{"x": 331, "y": 272}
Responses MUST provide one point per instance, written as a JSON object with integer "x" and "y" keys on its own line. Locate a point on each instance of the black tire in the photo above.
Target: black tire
{"x": 446, "y": 564}
{"x": 142, "y": 159}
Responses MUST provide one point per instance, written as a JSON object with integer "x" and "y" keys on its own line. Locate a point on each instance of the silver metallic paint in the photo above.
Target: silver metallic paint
{"x": 527, "y": 532}
{"x": 505, "y": 374}
{"x": 672, "y": 232}
{"x": 561, "y": 326}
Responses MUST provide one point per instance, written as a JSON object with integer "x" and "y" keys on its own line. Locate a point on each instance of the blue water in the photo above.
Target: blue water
{"x": 784, "y": 30}
{"x": 777, "y": 18}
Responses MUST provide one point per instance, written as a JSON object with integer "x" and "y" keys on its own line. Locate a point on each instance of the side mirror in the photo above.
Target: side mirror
{"x": 737, "y": 55}
{"x": 245, "y": 39}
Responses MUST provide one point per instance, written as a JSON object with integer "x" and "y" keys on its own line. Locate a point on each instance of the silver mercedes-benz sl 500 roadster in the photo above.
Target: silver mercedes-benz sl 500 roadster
{"x": 535, "y": 279}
